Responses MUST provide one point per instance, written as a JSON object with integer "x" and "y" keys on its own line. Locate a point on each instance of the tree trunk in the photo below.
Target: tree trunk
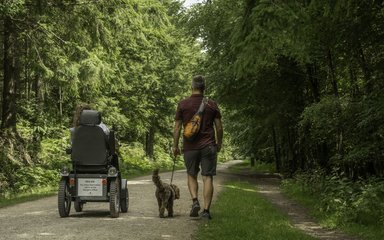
{"x": 276, "y": 150}
{"x": 339, "y": 137}
{"x": 311, "y": 71}
{"x": 253, "y": 160}
{"x": 291, "y": 154}
{"x": 8, "y": 118}
{"x": 366, "y": 71}
{"x": 322, "y": 150}
{"x": 149, "y": 143}
{"x": 60, "y": 104}
{"x": 354, "y": 91}
{"x": 332, "y": 73}
{"x": 37, "y": 105}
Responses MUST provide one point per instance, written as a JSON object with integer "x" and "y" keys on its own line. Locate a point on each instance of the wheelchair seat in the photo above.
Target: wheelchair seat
{"x": 91, "y": 146}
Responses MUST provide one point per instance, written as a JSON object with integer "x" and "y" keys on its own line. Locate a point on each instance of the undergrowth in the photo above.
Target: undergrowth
{"x": 354, "y": 206}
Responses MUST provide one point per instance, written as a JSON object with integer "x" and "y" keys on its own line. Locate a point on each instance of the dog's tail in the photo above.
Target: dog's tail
{"x": 156, "y": 179}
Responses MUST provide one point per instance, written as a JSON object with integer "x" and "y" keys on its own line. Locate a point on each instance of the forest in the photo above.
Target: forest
{"x": 130, "y": 60}
{"x": 300, "y": 85}
{"x": 301, "y": 80}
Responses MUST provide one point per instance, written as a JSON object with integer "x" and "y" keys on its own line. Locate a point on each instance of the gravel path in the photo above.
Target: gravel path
{"x": 40, "y": 219}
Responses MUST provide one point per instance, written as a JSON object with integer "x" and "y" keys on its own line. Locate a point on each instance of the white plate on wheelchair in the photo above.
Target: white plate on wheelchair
{"x": 89, "y": 187}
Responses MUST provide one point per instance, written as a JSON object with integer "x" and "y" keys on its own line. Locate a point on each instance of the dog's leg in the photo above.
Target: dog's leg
{"x": 162, "y": 208}
{"x": 159, "y": 203}
{"x": 161, "y": 212}
{"x": 170, "y": 207}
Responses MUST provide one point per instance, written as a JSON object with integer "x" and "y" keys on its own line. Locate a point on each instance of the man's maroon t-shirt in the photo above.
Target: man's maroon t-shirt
{"x": 185, "y": 111}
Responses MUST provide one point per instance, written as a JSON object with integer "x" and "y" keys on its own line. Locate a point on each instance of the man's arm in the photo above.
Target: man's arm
{"x": 219, "y": 133}
{"x": 176, "y": 136}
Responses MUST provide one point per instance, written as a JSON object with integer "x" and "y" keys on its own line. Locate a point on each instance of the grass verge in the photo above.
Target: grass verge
{"x": 12, "y": 199}
{"x": 249, "y": 217}
{"x": 311, "y": 201}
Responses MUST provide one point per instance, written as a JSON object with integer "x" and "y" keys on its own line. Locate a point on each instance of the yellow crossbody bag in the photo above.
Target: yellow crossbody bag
{"x": 192, "y": 128}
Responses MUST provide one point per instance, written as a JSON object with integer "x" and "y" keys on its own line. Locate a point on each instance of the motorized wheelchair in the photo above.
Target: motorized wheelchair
{"x": 95, "y": 174}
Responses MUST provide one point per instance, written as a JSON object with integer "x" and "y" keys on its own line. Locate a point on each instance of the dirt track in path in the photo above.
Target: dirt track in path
{"x": 40, "y": 219}
{"x": 268, "y": 185}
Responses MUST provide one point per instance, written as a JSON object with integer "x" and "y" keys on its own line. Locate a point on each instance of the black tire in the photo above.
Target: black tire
{"x": 64, "y": 198}
{"x": 124, "y": 200}
{"x": 114, "y": 197}
{"x": 78, "y": 206}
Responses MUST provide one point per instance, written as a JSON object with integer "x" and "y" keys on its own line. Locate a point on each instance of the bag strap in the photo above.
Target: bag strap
{"x": 203, "y": 104}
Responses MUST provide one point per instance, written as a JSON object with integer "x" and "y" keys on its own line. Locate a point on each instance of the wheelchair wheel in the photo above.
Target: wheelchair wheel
{"x": 78, "y": 206}
{"x": 64, "y": 198}
{"x": 124, "y": 200}
{"x": 114, "y": 197}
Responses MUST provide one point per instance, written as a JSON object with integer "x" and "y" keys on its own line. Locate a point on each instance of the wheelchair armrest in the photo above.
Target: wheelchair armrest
{"x": 113, "y": 160}
{"x": 112, "y": 142}
{"x": 68, "y": 150}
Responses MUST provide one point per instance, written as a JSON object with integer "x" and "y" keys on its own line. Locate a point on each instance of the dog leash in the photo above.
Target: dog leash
{"x": 173, "y": 168}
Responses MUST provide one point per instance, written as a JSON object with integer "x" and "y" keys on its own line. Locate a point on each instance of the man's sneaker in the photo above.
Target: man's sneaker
{"x": 195, "y": 209}
{"x": 206, "y": 215}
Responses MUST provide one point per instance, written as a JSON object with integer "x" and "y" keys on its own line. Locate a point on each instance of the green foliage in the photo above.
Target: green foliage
{"x": 321, "y": 118}
{"x": 40, "y": 172}
{"x": 338, "y": 200}
{"x": 163, "y": 158}
{"x": 361, "y": 123}
{"x": 126, "y": 58}
{"x": 134, "y": 160}
{"x": 369, "y": 204}
{"x": 133, "y": 157}
{"x": 52, "y": 150}
{"x": 302, "y": 79}
{"x": 36, "y": 177}
{"x": 228, "y": 149}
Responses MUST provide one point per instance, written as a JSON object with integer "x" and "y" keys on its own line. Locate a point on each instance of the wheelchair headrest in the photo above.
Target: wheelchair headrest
{"x": 90, "y": 117}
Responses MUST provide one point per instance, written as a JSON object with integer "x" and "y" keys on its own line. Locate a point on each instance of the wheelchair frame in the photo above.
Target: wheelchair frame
{"x": 82, "y": 187}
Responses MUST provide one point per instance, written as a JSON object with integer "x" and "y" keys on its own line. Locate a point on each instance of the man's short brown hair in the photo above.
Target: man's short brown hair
{"x": 198, "y": 82}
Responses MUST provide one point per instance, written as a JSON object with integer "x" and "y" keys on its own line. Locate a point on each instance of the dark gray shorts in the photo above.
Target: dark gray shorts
{"x": 206, "y": 157}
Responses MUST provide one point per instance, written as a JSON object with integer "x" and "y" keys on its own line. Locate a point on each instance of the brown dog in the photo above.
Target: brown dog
{"x": 165, "y": 194}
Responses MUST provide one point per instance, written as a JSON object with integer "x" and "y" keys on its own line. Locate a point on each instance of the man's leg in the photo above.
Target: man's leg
{"x": 207, "y": 191}
{"x": 192, "y": 161}
{"x": 208, "y": 165}
{"x": 193, "y": 186}
{"x": 193, "y": 189}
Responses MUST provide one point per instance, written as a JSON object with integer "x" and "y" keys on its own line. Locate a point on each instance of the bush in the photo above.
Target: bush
{"x": 33, "y": 177}
{"x": 340, "y": 199}
{"x": 133, "y": 159}
{"x": 369, "y": 204}
{"x": 52, "y": 150}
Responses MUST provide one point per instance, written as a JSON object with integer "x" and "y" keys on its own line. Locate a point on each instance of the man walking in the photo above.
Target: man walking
{"x": 202, "y": 150}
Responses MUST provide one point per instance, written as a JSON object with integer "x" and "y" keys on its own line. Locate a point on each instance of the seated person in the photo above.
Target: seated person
{"x": 76, "y": 120}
